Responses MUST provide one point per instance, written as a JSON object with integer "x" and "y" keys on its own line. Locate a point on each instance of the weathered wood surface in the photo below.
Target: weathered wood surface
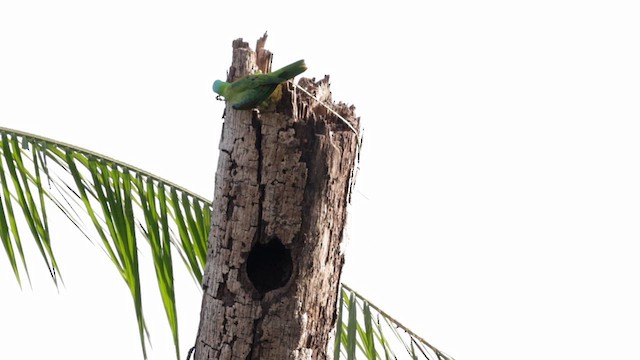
{"x": 282, "y": 188}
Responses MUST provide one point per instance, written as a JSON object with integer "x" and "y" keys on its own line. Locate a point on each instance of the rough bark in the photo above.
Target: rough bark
{"x": 282, "y": 188}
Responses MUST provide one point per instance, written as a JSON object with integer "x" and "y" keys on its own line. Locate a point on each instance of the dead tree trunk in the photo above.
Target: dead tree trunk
{"x": 282, "y": 187}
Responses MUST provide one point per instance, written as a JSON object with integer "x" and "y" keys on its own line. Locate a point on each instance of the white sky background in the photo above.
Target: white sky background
{"x": 497, "y": 210}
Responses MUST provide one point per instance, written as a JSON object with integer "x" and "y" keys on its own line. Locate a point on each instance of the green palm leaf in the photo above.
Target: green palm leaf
{"x": 122, "y": 202}
{"x": 361, "y": 310}
{"x": 119, "y": 200}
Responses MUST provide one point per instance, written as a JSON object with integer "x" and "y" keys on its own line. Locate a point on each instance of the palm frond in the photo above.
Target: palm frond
{"x": 121, "y": 202}
{"x": 375, "y": 334}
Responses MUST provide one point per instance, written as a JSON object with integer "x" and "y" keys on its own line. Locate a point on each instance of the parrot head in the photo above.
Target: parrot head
{"x": 218, "y": 87}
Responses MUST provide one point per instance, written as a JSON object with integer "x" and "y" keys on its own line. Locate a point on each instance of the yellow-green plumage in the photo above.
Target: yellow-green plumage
{"x": 250, "y": 91}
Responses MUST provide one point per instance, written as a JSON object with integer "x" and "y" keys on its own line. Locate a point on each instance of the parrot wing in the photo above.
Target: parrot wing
{"x": 250, "y": 91}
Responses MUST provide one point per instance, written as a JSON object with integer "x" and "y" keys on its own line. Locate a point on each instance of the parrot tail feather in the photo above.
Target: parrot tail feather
{"x": 290, "y": 71}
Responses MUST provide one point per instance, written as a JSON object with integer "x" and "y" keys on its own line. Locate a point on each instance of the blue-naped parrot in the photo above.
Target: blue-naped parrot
{"x": 250, "y": 91}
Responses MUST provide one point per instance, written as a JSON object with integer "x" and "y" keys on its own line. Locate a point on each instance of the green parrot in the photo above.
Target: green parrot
{"x": 250, "y": 91}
